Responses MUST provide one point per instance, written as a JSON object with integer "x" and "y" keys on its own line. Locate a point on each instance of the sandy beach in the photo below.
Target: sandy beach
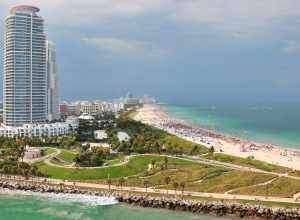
{"x": 154, "y": 115}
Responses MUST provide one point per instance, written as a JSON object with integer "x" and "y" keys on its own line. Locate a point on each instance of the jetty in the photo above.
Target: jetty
{"x": 216, "y": 208}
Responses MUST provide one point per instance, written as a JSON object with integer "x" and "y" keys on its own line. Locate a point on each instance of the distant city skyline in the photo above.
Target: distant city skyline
{"x": 178, "y": 51}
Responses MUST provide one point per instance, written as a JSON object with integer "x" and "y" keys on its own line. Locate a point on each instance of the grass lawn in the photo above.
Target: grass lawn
{"x": 67, "y": 156}
{"x": 227, "y": 181}
{"x": 182, "y": 173}
{"x": 135, "y": 166}
{"x": 281, "y": 187}
{"x": 49, "y": 151}
{"x": 247, "y": 162}
{"x": 187, "y": 146}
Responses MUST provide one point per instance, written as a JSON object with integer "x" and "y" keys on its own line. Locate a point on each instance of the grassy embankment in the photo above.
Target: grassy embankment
{"x": 67, "y": 156}
{"x": 49, "y": 151}
{"x": 197, "y": 177}
{"x": 281, "y": 187}
{"x": 251, "y": 163}
{"x": 200, "y": 178}
{"x": 135, "y": 166}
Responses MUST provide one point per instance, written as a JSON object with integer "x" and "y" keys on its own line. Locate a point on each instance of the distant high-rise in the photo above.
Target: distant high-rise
{"x": 52, "y": 83}
{"x": 25, "y": 69}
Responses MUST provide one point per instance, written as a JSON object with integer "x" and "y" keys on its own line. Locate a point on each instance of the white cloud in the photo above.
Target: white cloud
{"x": 250, "y": 18}
{"x": 78, "y": 12}
{"x": 126, "y": 47}
{"x": 291, "y": 47}
{"x": 236, "y": 19}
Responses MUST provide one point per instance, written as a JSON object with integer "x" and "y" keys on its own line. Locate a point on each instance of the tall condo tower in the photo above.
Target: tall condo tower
{"x": 25, "y": 69}
{"x": 52, "y": 82}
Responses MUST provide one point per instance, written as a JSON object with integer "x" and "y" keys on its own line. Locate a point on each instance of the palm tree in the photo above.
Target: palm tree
{"x": 175, "y": 185}
{"x": 146, "y": 184}
{"x": 182, "y": 186}
{"x": 121, "y": 182}
{"x": 166, "y": 162}
{"x": 167, "y": 181}
{"x": 211, "y": 150}
{"x": 108, "y": 181}
{"x": 153, "y": 162}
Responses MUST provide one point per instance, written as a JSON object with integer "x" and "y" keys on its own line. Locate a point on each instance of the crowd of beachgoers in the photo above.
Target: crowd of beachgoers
{"x": 154, "y": 115}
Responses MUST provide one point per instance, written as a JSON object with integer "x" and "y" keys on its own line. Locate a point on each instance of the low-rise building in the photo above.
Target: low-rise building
{"x": 86, "y": 116}
{"x": 73, "y": 121}
{"x": 32, "y": 153}
{"x": 123, "y": 136}
{"x": 100, "y": 135}
{"x": 36, "y": 130}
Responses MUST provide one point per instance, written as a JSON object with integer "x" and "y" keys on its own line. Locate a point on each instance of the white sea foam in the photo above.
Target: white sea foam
{"x": 89, "y": 200}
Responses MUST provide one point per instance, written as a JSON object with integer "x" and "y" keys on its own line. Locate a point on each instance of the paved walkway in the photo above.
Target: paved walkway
{"x": 157, "y": 191}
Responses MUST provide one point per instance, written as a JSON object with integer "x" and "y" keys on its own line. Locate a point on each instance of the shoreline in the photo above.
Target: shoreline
{"x": 213, "y": 208}
{"x": 155, "y": 115}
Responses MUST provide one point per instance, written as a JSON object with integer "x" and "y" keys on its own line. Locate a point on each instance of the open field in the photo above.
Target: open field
{"x": 281, "y": 187}
{"x": 67, "y": 156}
{"x": 229, "y": 181}
{"x": 197, "y": 177}
{"x": 49, "y": 151}
{"x": 200, "y": 179}
{"x": 136, "y": 165}
{"x": 186, "y": 145}
{"x": 250, "y": 163}
{"x": 177, "y": 173}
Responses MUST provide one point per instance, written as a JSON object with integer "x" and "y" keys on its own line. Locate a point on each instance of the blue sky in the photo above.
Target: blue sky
{"x": 181, "y": 51}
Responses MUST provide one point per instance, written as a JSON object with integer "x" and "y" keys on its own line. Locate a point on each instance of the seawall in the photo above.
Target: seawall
{"x": 198, "y": 207}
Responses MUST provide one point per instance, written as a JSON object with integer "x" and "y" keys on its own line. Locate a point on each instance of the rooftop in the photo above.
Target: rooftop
{"x": 24, "y": 8}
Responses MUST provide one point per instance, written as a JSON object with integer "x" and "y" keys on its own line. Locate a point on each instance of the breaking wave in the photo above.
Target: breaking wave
{"x": 89, "y": 200}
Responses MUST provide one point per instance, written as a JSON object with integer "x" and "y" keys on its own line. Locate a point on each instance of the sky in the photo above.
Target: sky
{"x": 179, "y": 51}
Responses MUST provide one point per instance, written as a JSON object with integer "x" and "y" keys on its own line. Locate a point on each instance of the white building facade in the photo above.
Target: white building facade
{"x": 52, "y": 83}
{"x": 36, "y": 130}
{"x": 24, "y": 84}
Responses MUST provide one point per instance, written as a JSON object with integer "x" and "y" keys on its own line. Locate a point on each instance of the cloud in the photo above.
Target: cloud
{"x": 266, "y": 20}
{"x": 78, "y": 12}
{"x": 126, "y": 47}
{"x": 250, "y": 18}
{"x": 291, "y": 47}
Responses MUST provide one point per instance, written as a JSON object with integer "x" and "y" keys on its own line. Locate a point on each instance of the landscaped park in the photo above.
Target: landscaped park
{"x": 151, "y": 159}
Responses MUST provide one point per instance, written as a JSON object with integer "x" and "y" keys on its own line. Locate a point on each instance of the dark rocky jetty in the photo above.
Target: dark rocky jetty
{"x": 201, "y": 207}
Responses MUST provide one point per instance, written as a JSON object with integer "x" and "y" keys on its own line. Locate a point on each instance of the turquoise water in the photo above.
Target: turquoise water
{"x": 16, "y": 207}
{"x": 277, "y": 124}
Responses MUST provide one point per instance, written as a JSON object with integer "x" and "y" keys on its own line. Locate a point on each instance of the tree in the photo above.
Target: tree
{"x": 153, "y": 162}
{"x": 121, "y": 182}
{"x": 211, "y": 150}
{"x": 167, "y": 181}
{"x": 195, "y": 150}
{"x": 108, "y": 181}
{"x": 166, "y": 162}
{"x": 182, "y": 186}
{"x": 175, "y": 186}
{"x": 146, "y": 184}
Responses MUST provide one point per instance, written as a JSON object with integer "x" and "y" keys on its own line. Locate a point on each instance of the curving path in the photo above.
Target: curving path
{"x": 259, "y": 184}
{"x": 199, "y": 195}
{"x": 196, "y": 159}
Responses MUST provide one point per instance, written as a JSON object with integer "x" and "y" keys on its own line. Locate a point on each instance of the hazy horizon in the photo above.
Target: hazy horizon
{"x": 178, "y": 51}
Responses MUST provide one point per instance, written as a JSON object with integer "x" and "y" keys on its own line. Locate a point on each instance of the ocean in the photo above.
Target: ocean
{"x": 28, "y": 207}
{"x": 277, "y": 123}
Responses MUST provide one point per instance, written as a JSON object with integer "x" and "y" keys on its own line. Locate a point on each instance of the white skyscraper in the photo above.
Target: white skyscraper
{"x": 25, "y": 69}
{"x": 52, "y": 83}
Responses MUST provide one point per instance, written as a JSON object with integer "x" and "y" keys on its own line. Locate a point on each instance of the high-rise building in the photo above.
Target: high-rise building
{"x": 52, "y": 83}
{"x": 25, "y": 69}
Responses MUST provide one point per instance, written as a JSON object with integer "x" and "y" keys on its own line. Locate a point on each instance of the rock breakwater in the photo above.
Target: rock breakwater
{"x": 200, "y": 207}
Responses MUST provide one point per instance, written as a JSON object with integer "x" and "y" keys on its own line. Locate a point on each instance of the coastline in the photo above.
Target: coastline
{"x": 213, "y": 208}
{"x": 155, "y": 115}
